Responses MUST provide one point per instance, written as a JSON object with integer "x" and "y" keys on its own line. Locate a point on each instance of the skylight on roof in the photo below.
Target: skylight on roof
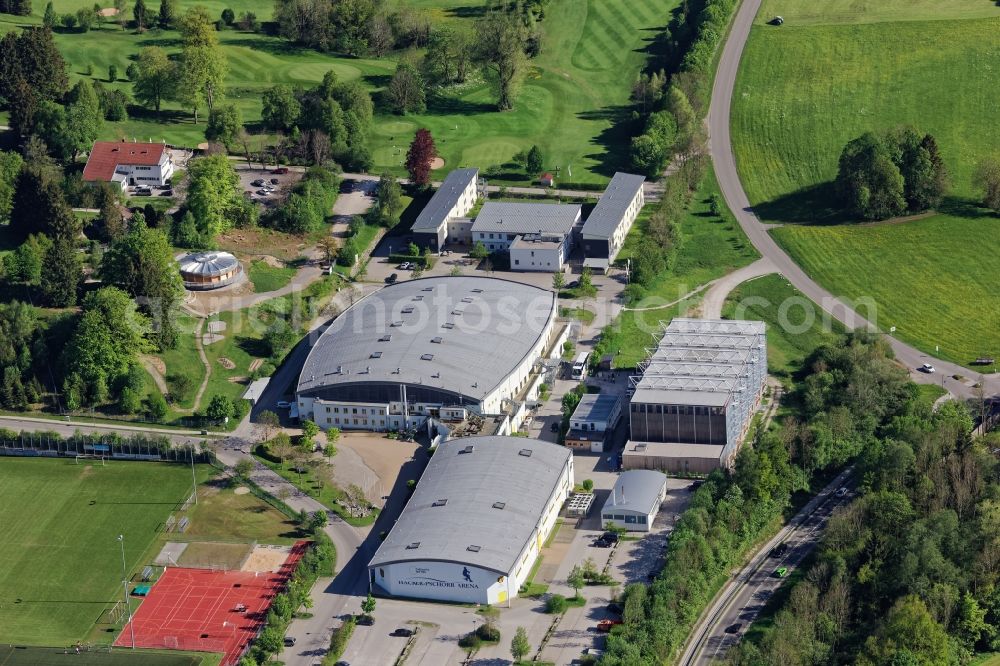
{"x": 440, "y": 502}
{"x": 396, "y": 324}
{"x": 448, "y": 324}
{"x": 376, "y": 354}
{"x": 437, "y": 340}
{"x": 467, "y": 299}
{"x": 427, "y": 289}
{"x": 407, "y": 310}
{"x": 524, "y": 452}
{"x": 413, "y": 546}
{"x": 477, "y": 291}
{"x": 385, "y": 338}
{"x": 499, "y": 505}
{"x": 474, "y": 548}
{"x": 427, "y": 357}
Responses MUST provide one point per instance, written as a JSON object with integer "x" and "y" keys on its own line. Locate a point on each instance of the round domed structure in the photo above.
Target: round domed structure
{"x": 209, "y": 270}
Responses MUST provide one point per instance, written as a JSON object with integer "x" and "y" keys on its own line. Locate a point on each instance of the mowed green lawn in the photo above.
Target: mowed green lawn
{"x": 936, "y": 279}
{"x": 796, "y": 326}
{"x": 591, "y": 53}
{"x": 803, "y": 92}
{"x": 573, "y": 93}
{"x": 60, "y": 552}
{"x": 842, "y": 67}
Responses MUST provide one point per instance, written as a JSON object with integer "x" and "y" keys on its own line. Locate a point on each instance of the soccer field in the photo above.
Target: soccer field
{"x": 61, "y": 560}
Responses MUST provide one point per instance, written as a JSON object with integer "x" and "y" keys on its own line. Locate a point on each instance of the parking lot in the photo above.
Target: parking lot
{"x": 265, "y": 186}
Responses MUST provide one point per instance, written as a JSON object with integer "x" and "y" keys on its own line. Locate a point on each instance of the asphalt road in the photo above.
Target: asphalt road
{"x": 720, "y": 145}
{"x": 746, "y": 594}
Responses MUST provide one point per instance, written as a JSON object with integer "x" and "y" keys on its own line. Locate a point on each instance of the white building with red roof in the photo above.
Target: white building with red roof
{"x": 129, "y": 164}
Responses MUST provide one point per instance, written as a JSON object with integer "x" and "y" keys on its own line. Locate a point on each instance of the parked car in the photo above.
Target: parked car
{"x": 366, "y": 620}
{"x": 262, "y": 192}
{"x": 928, "y": 368}
{"x": 554, "y": 427}
{"x": 168, "y": 193}
{"x": 404, "y": 632}
{"x": 610, "y": 536}
{"x": 734, "y": 628}
{"x": 605, "y": 625}
{"x": 280, "y": 171}
{"x": 275, "y": 181}
{"x": 143, "y": 192}
{"x": 289, "y": 641}
{"x": 405, "y": 266}
{"x": 284, "y": 404}
{"x": 257, "y": 183}
{"x": 779, "y": 550}
{"x": 392, "y": 278}
{"x": 780, "y": 572}
{"x": 842, "y": 491}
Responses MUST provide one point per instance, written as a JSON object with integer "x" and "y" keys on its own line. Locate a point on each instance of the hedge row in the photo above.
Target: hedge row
{"x": 710, "y": 27}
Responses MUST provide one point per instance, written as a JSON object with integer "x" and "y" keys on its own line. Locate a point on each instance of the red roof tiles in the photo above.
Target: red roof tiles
{"x": 106, "y": 155}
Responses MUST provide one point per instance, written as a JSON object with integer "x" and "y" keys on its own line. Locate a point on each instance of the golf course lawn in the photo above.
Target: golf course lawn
{"x": 936, "y": 279}
{"x": 574, "y": 90}
{"x": 62, "y": 560}
{"x": 571, "y": 95}
{"x": 837, "y": 69}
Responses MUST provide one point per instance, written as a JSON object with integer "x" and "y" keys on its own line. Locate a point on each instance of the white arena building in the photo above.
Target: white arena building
{"x": 476, "y": 522}
{"x": 442, "y": 348}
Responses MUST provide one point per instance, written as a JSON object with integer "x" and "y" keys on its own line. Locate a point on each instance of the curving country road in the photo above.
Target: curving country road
{"x": 720, "y": 146}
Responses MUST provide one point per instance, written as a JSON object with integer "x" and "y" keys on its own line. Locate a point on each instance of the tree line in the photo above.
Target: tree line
{"x": 908, "y": 572}
{"x": 670, "y": 98}
{"x": 850, "y": 395}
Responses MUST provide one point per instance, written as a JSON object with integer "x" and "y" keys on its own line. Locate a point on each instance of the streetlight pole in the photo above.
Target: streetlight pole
{"x": 131, "y": 625}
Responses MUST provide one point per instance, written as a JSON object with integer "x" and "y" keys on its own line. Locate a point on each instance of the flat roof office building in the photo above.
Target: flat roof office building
{"x": 593, "y": 420}
{"x": 691, "y": 406}
{"x": 440, "y": 348}
{"x": 604, "y": 232}
{"x": 476, "y": 522}
{"x": 443, "y": 216}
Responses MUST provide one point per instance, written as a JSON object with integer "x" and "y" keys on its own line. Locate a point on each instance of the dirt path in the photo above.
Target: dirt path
{"x": 154, "y": 372}
{"x": 204, "y": 361}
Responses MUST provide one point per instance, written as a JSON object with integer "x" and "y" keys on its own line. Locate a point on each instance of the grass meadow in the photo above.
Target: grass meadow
{"x": 795, "y": 327}
{"x": 569, "y": 102}
{"x": 935, "y": 279}
{"x": 837, "y": 69}
{"x": 62, "y": 559}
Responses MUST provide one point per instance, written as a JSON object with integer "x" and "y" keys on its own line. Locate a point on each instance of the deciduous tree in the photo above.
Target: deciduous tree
{"x": 500, "y": 44}
{"x": 156, "y": 77}
{"x": 419, "y": 157}
{"x": 406, "y": 90}
{"x": 987, "y": 178}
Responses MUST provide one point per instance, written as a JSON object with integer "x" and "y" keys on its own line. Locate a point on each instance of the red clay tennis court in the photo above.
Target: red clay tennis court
{"x": 207, "y": 611}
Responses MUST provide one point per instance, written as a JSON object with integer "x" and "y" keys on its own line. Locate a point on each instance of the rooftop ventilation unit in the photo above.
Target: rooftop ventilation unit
{"x": 524, "y": 452}
{"x": 385, "y": 338}
{"x": 413, "y": 546}
{"x": 440, "y": 502}
{"x": 427, "y": 289}
{"x": 477, "y": 291}
{"x": 407, "y": 310}
{"x": 376, "y": 354}
{"x": 418, "y": 297}
{"x": 469, "y": 448}
{"x": 474, "y": 548}
{"x": 499, "y": 505}
{"x": 436, "y": 341}
{"x": 448, "y": 324}
{"x": 427, "y": 357}
{"x": 456, "y": 311}
{"x": 467, "y": 299}
{"x": 396, "y": 324}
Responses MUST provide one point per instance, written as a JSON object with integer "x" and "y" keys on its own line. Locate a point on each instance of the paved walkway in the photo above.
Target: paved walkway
{"x": 720, "y": 145}
{"x": 715, "y": 297}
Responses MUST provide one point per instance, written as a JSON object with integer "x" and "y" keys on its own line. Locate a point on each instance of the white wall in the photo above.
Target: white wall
{"x": 443, "y": 581}
{"x": 146, "y": 176}
{"x": 548, "y": 259}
